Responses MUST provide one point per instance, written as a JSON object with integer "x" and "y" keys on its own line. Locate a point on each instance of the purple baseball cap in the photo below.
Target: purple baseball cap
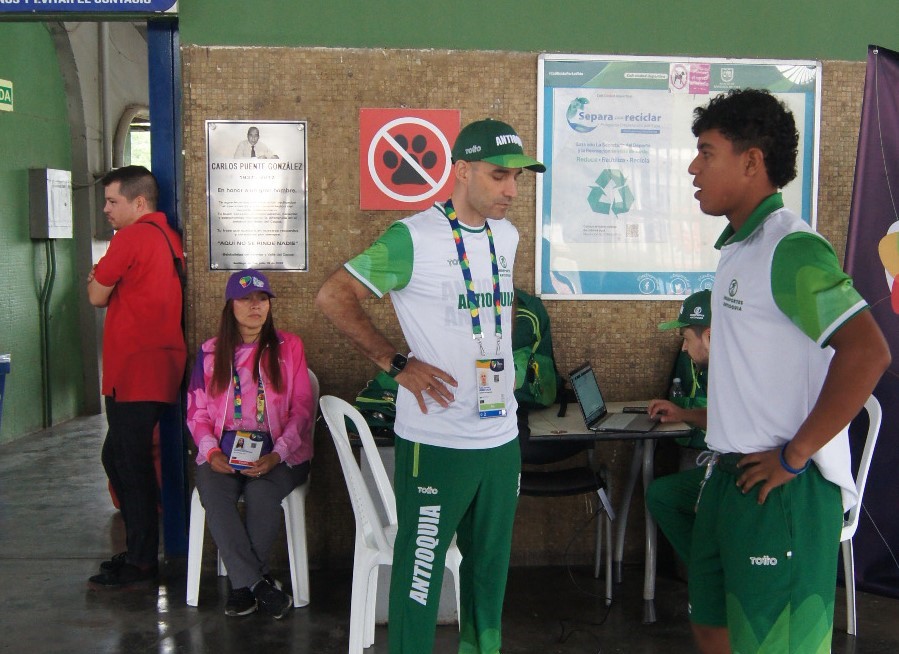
{"x": 244, "y": 282}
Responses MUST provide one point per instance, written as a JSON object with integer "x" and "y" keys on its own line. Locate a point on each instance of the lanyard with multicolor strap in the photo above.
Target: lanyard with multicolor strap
{"x": 477, "y": 332}
{"x": 238, "y": 400}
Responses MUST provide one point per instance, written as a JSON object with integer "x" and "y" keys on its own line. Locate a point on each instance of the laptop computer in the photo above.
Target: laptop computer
{"x": 596, "y": 415}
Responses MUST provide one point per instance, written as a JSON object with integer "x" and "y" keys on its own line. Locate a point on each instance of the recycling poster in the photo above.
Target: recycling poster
{"x": 616, "y": 217}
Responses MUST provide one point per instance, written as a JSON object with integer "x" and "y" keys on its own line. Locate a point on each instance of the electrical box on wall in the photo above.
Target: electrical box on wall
{"x": 50, "y": 203}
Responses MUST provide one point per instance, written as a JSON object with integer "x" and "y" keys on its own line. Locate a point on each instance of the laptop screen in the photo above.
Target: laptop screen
{"x": 583, "y": 381}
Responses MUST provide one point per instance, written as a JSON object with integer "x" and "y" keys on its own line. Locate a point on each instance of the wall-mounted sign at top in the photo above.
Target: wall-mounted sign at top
{"x": 404, "y": 157}
{"x": 88, "y": 6}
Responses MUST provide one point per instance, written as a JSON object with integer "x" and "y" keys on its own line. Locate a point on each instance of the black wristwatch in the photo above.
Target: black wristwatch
{"x": 397, "y": 363}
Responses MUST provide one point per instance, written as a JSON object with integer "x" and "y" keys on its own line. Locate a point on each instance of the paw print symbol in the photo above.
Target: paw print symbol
{"x": 404, "y": 173}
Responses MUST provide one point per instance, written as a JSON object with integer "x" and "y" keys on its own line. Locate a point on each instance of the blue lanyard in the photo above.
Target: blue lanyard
{"x": 473, "y": 308}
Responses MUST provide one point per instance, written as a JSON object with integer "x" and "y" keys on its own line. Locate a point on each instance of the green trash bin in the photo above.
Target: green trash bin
{"x": 4, "y": 370}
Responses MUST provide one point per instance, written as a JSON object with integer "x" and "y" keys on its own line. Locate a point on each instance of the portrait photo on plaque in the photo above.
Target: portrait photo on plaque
{"x": 257, "y": 195}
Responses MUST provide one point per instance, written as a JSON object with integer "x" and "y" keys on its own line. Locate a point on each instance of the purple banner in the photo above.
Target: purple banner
{"x": 40, "y": 7}
{"x": 872, "y": 258}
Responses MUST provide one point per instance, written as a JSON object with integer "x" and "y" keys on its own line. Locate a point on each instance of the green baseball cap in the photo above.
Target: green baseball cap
{"x": 696, "y": 310}
{"x": 495, "y": 142}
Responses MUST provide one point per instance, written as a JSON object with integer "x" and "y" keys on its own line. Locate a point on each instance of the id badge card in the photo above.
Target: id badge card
{"x": 248, "y": 447}
{"x": 491, "y": 375}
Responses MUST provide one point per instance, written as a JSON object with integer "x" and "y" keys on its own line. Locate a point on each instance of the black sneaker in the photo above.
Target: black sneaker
{"x": 120, "y": 559}
{"x": 271, "y": 600}
{"x": 122, "y": 577}
{"x": 241, "y": 601}
{"x": 273, "y": 582}
{"x": 116, "y": 562}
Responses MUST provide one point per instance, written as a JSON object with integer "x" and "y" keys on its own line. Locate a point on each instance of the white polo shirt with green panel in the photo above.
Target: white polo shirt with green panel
{"x": 779, "y": 296}
{"x": 416, "y": 261}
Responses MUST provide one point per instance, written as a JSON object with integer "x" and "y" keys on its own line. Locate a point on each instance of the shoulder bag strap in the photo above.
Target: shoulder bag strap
{"x": 179, "y": 265}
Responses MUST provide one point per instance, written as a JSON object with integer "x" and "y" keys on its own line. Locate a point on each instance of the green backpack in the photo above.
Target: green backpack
{"x": 536, "y": 379}
{"x": 377, "y": 401}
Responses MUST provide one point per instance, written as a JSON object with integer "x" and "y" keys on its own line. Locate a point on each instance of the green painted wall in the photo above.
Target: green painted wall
{"x": 825, "y": 29}
{"x": 34, "y": 135}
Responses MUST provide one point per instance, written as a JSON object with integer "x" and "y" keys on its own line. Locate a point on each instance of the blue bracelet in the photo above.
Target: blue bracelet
{"x": 786, "y": 466}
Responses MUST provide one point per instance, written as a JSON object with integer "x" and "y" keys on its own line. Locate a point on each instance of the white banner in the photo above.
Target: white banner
{"x": 616, "y": 218}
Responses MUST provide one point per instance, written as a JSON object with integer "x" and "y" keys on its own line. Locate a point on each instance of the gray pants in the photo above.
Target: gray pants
{"x": 244, "y": 548}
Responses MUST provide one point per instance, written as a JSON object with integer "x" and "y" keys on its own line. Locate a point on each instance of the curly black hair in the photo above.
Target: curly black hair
{"x": 753, "y": 118}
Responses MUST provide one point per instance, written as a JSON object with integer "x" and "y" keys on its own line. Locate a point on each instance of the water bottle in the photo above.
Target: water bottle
{"x": 677, "y": 391}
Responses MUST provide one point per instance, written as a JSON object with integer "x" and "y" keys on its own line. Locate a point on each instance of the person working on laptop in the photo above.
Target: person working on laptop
{"x": 672, "y": 499}
{"x": 457, "y": 454}
{"x": 795, "y": 355}
{"x": 694, "y": 326}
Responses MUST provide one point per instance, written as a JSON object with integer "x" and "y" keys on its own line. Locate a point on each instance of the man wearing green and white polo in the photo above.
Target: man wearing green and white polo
{"x": 448, "y": 270}
{"x": 795, "y": 354}
{"x": 671, "y": 499}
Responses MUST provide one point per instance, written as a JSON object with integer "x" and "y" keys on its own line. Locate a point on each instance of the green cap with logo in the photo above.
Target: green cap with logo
{"x": 495, "y": 142}
{"x": 696, "y": 310}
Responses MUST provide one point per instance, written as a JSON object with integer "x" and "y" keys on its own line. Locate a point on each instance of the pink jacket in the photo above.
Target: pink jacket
{"x": 289, "y": 411}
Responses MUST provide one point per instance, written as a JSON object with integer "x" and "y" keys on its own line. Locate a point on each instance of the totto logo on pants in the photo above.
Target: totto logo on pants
{"x": 762, "y": 560}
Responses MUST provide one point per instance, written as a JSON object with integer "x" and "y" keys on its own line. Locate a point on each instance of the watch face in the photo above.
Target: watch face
{"x": 398, "y": 362}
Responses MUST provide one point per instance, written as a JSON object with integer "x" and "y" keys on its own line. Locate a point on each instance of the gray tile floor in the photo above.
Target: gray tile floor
{"x": 57, "y": 524}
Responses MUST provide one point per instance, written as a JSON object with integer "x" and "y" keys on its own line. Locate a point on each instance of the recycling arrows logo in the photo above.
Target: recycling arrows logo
{"x": 611, "y": 195}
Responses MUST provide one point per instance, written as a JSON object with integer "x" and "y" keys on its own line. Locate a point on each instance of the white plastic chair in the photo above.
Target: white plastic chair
{"x": 374, "y": 539}
{"x": 294, "y": 506}
{"x": 850, "y": 522}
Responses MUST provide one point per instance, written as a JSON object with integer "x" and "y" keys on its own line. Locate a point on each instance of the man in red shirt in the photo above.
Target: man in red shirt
{"x": 138, "y": 281}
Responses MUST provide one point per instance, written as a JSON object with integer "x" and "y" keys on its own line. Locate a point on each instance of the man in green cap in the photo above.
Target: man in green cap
{"x": 672, "y": 499}
{"x": 693, "y": 324}
{"x": 457, "y": 455}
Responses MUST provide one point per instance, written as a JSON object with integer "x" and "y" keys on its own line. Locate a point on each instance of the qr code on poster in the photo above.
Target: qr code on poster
{"x": 632, "y": 231}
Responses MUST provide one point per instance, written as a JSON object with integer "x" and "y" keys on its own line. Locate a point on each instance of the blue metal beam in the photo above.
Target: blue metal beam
{"x": 164, "y": 65}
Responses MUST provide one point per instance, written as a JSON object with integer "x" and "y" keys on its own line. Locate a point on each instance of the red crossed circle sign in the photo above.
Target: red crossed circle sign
{"x": 405, "y": 158}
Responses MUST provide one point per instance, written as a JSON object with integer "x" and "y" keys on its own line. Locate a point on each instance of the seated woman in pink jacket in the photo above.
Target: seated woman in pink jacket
{"x": 249, "y": 410}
